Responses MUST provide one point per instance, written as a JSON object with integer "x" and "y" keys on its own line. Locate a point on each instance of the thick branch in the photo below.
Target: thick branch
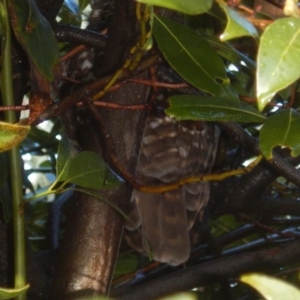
{"x": 94, "y": 229}
{"x": 210, "y": 272}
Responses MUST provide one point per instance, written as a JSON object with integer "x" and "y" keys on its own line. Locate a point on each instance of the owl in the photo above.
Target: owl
{"x": 170, "y": 150}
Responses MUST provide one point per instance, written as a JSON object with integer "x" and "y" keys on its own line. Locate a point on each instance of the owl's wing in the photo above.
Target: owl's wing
{"x": 170, "y": 150}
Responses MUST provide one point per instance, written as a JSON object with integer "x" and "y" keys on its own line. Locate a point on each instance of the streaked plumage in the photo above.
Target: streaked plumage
{"x": 171, "y": 150}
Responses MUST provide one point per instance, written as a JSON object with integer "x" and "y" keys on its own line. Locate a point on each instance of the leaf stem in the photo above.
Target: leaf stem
{"x": 15, "y": 166}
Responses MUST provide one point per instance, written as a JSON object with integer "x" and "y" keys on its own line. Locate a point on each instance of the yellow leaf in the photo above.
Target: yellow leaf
{"x": 11, "y": 135}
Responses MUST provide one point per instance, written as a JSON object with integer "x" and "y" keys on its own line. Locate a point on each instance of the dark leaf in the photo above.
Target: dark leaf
{"x": 36, "y": 37}
{"x": 281, "y": 129}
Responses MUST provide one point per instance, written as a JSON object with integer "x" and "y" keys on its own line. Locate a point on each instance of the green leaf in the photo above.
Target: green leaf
{"x": 83, "y": 4}
{"x": 11, "y": 135}
{"x": 97, "y": 298}
{"x": 67, "y": 150}
{"x": 3, "y": 17}
{"x": 86, "y": 169}
{"x": 76, "y": 168}
{"x": 278, "y": 57}
{"x": 111, "y": 179}
{"x": 11, "y": 293}
{"x": 191, "y": 7}
{"x": 281, "y": 129}
{"x": 181, "y": 296}
{"x": 237, "y": 26}
{"x": 35, "y": 35}
{"x": 191, "y": 56}
{"x": 271, "y": 288}
{"x": 229, "y": 53}
{"x": 188, "y": 107}
{"x": 127, "y": 263}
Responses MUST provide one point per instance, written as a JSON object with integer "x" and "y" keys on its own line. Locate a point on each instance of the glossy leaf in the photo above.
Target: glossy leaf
{"x": 36, "y": 36}
{"x": 11, "y": 135}
{"x": 12, "y": 293}
{"x": 281, "y": 129}
{"x": 192, "y": 7}
{"x": 86, "y": 169}
{"x": 188, "y": 107}
{"x": 191, "y": 56}
{"x": 271, "y": 288}
{"x": 237, "y": 26}
{"x": 278, "y": 58}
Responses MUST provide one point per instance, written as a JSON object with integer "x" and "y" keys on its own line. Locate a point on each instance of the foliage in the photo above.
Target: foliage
{"x": 11, "y": 293}
{"x": 271, "y": 288}
{"x": 206, "y": 48}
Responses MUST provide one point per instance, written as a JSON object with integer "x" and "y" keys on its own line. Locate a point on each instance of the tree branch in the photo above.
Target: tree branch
{"x": 214, "y": 271}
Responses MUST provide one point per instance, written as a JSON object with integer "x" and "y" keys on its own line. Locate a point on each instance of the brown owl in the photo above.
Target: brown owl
{"x": 171, "y": 150}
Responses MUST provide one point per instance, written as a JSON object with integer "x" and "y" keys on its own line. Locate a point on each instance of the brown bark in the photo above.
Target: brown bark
{"x": 94, "y": 230}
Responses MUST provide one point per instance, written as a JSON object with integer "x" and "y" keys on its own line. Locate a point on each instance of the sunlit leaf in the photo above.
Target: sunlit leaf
{"x": 237, "y": 26}
{"x": 191, "y": 56}
{"x": 181, "y": 296}
{"x": 36, "y": 36}
{"x": 12, "y": 293}
{"x": 192, "y": 7}
{"x": 281, "y": 129}
{"x": 11, "y": 135}
{"x": 271, "y": 288}
{"x": 188, "y": 107}
{"x": 278, "y": 57}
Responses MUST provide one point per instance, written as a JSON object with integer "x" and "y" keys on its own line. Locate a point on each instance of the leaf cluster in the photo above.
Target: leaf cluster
{"x": 256, "y": 88}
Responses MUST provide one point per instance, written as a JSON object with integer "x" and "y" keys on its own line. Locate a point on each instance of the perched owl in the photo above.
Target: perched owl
{"x": 170, "y": 150}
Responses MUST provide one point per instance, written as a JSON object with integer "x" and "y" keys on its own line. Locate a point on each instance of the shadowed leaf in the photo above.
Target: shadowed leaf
{"x": 36, "y": 36}
{"x": 281, "y": 129}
